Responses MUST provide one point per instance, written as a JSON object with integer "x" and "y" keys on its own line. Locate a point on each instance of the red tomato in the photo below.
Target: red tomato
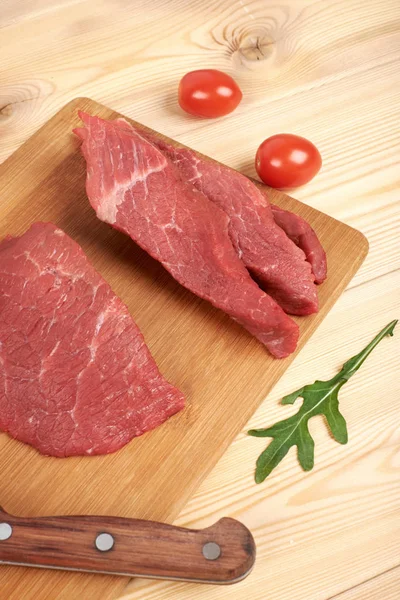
{"x": 208, "y": 93}
{"x": 286, "y": 161}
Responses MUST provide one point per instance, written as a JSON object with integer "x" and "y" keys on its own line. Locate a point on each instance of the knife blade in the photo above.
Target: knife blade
{"x": 221, "y": 554}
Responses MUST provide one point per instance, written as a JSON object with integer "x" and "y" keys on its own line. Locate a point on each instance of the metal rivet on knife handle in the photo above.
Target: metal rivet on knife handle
{"x": 211, "y": 551}
{"x": 104, "y": 542}
{"x": 5, "y": 531}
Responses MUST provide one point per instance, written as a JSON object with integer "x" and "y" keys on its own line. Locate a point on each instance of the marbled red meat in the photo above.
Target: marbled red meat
{"x": 133, "y": 186}
{"x": 76, "y": 376}
{"x": 278, "y": 264}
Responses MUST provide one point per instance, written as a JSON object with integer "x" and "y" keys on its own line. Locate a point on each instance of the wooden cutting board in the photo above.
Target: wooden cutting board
{"x": 223, "y": 371}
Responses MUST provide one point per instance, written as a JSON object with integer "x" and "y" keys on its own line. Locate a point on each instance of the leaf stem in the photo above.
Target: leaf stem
{"x": 352, "y": 365}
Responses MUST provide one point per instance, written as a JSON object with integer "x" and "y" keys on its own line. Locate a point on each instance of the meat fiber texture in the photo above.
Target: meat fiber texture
{"x": 192, "y": 166}
{"x": 304, "y": 236}
{"x": 76, "y": 377}
{"x": 136, "y": 189}
{"x": 280, "y": 267}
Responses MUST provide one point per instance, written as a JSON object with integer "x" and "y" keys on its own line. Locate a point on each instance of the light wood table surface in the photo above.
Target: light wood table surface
{"x": 328, "y": 70}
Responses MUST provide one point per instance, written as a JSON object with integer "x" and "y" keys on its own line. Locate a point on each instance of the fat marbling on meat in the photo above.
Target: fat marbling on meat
{"x": 76, "y": 376}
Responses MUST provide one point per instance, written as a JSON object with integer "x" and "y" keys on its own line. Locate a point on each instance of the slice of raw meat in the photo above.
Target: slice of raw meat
{"x": 296, "y": 228}
{"x": 76, "y": 376}
{"x": 304, "y": 236}
{"x": 136, "y": 189}
{"x": 272, "y": 258}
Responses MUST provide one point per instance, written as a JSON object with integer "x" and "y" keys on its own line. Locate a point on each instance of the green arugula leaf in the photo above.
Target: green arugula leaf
{"x": 319, "y": 398}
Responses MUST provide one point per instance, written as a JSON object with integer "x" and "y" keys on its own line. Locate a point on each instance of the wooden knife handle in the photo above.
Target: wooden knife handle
{"x": 222, "y": 553}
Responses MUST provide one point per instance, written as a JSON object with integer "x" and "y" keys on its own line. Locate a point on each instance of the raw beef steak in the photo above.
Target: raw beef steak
{"x": 296, "y": 228}
{"x": 76, "y": 376}
{"x": 136, "y": 189}
{"x": 272, "y": 258}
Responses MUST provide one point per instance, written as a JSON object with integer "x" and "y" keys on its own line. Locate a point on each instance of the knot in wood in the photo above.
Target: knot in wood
{"x": 255, "y": 44}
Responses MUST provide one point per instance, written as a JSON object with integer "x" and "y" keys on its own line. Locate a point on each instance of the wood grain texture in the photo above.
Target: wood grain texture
{"x": 216, "y": 373}
{"x": 323, "y": 69}
{"x": 385, "y": 586}
{"x": 139, "y": 548}
{"x": 323, "y": 532}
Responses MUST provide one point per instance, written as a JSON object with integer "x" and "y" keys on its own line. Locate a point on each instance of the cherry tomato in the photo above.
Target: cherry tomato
{"x": 208, "y": 93}
{"x": 286, "y": 161}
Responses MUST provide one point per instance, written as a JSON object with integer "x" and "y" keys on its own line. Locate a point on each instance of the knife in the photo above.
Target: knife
{"x": 220, "y": 554}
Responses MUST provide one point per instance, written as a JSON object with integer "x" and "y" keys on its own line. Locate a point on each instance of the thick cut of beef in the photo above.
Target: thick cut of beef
{"x": 304, "y": 236}
{"x": 76, "y": 376}
{"x": 296, "y": 228}
{"x": 272, "y": 258}
{"x": 136, "y": 189}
